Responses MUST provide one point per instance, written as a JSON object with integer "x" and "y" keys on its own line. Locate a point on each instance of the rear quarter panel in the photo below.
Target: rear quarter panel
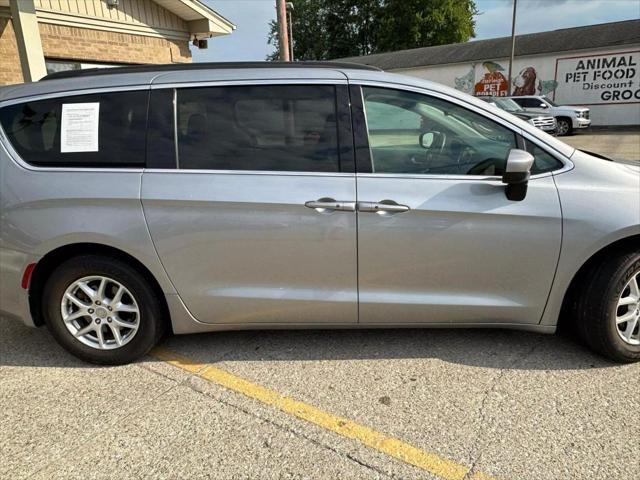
{"x": 43, "y": 209}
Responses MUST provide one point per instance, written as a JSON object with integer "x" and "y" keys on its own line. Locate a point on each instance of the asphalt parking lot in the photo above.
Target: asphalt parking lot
{"x": 373, "y": 404}
{"x": 621, "y": 143}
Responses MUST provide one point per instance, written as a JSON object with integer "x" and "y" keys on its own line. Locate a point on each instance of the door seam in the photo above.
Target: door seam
{"x": 153, "y": 243}
{"x": 355, "y": 178}
{"x": 555, "y": 272}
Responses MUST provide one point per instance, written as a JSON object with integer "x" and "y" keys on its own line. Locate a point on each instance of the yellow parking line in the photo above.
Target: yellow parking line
{"x": 393, "y": 447}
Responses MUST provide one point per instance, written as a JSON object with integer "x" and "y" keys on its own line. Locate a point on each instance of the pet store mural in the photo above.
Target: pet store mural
{"x": 528, "y": 82}
{"x": 465, "y": 83}
{"x": 606, "y": 81}
{"x": 493, "y": 82}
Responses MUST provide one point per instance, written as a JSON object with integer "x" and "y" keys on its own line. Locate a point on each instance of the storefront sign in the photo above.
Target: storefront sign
{"x": 599, "y": 79}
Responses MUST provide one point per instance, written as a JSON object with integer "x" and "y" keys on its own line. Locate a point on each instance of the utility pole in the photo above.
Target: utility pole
{"x": 289, "y": 11}
{"x": 283, "y": 31}
{"x": 513, "y": 47}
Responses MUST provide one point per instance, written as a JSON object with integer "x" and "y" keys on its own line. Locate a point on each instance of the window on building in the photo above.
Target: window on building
{"x": 264, "y": 128}
{"x": 97, "y": 130}
{"x": 54, "y": 66}
{"x": 417, "y": 134}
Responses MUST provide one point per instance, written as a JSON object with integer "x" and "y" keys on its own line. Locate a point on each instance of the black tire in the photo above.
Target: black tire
{"x": 597, "y": 307}
{"x": 564, "y": 127}
{"x": 151, "y": 325}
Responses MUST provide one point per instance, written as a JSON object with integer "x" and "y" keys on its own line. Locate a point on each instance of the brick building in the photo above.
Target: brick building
{"x": 53, "y": 35}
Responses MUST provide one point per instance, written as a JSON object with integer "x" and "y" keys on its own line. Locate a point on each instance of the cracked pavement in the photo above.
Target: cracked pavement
{"x": 509, "y": 404}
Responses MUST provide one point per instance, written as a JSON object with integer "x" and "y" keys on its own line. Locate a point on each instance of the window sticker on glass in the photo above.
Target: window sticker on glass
{"x": 79, "y": 128}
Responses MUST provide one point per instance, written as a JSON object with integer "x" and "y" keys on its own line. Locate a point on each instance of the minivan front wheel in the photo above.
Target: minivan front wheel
{"x": 102, "y": 310}
{"x": 609, "y": 308}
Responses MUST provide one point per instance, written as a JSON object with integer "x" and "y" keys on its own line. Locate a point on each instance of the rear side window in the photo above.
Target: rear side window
{"x": 261, "y": 127}
{"x": 97, "y": 130}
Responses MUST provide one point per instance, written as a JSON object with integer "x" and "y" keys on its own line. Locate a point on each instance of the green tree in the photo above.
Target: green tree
{"x": 326, "y": 29}
{"x": 423, "y": 23}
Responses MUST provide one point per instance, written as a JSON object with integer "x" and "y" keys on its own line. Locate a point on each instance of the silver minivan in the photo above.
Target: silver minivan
{"x": 211, "y": 197}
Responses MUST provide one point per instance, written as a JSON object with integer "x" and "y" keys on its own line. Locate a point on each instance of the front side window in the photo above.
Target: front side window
{"x": 97, "y": 130}
{"x": 258, "y": 127}
{"x": 410, "y": 133}
{"x": 544, "y": 162}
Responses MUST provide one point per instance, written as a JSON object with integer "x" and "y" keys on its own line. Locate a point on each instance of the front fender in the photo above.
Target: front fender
{"x": 600, "y": 203}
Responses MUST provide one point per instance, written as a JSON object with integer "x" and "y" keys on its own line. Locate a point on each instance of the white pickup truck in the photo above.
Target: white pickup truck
{"x": 568, "y": 117}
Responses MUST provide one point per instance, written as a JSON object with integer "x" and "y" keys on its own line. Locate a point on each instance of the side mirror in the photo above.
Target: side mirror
{"x": 544, "y": 105}
{"x": 517, "y": 173}
{"x": 426, "y": 139}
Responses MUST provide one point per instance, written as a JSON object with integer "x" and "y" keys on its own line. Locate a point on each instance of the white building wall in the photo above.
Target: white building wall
{"x": 568, "y": 78}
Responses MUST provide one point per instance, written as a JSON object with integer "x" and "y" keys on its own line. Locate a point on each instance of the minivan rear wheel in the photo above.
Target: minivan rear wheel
{"x": 609, "y": 308}
{"x": 102, "y": 310}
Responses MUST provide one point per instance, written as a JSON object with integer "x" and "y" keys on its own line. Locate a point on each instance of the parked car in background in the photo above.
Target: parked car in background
{"x": 568, "y": 117}
{"x": 207, "y": 197}
{"x": 544, "y": 122}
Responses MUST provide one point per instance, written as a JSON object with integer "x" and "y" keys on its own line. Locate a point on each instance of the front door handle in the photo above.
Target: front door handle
{"x": 325, "y": 205}
{"x": 384, "y": 207}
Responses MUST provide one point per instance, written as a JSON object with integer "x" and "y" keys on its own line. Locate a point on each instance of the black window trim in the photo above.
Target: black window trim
{"x": 153, "y": 162}
{"x": 346, "y": 147}
{"x": 360, "y": 131}
{"x": 363, "y": 151}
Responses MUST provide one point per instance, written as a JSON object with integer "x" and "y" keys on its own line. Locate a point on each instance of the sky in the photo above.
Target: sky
{"x": 249, "y": 40}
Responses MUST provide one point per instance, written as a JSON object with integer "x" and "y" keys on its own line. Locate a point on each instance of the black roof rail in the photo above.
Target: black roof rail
{"x": 174, "y": 67}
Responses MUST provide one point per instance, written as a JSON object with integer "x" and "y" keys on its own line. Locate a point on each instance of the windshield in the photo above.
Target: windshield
{"x": 507, "y": 104}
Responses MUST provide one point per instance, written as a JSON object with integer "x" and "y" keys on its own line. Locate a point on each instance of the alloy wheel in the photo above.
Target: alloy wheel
{"x": 100, "y": 312}
{"x": 628, "y": 311}
{"x": 563, "y": 127}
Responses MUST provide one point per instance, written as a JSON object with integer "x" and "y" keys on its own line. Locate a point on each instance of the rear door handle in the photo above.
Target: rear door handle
{"x": 384, "y": 207}
{"x": 324, "y": 205}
